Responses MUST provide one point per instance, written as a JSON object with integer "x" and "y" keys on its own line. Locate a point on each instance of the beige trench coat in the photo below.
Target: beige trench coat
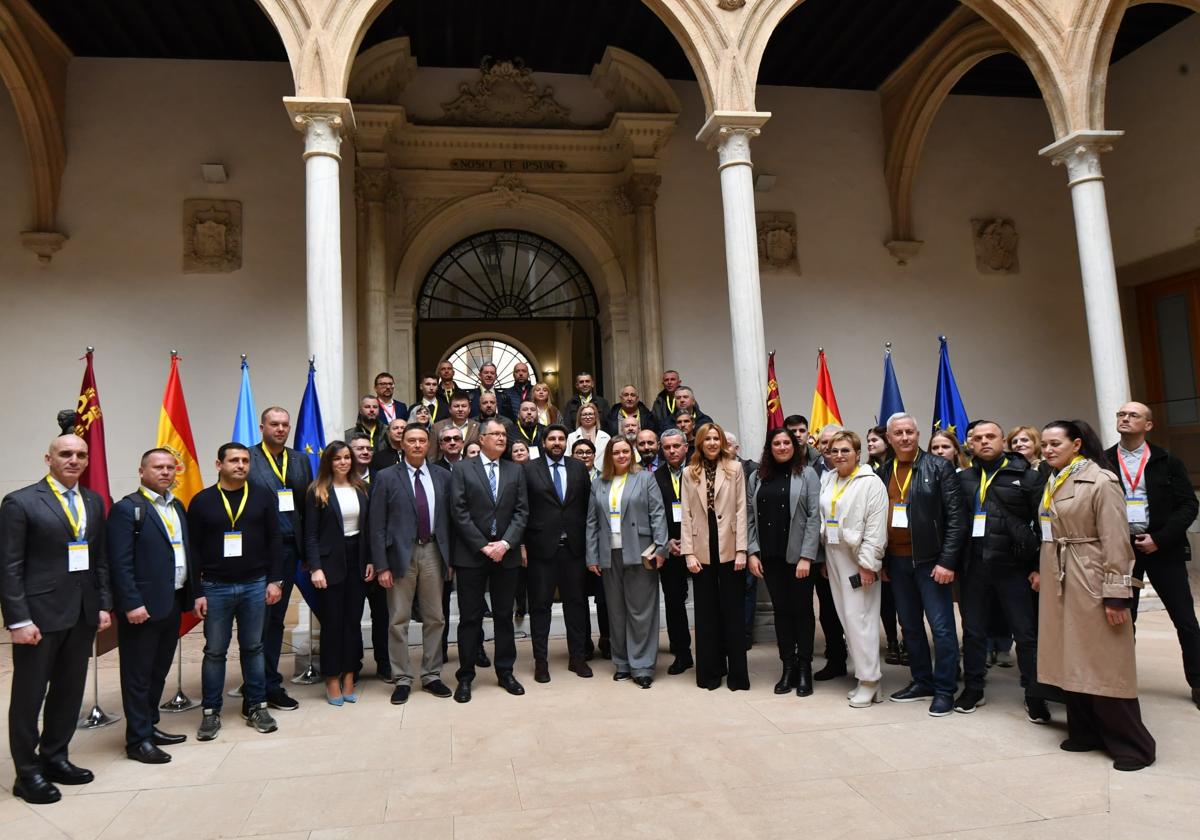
{"x": 1089, "y": 560}
{"x": 729, "y": 503}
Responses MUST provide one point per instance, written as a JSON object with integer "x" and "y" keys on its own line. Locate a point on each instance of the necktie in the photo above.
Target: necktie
{"x": 492, "y": 479}
{"x": 71, "y": 507}
{"x": 423, "y": 528}
{"x": 558, "y": 486}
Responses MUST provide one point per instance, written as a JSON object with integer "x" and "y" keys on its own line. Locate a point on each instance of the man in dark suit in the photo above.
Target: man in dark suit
{"x": 487, "y": 385}
{"x": 555, "y": 541}
{"x": 360, "y": 446}
{"x": 585, "y": 392}
{"x": 529, "y": 430}
{"x": 1160, "y": 506}
{"x": 391, "y": 453}
{"x": 629, "y": 406}
{"x": 446, "y": 387}
{"x": 410, "y": 543}
{"x": 369, "y": 422}
{"x": 54, "y": 594}
{"x": 647, "y": 449}
{"x": 389, "y": 407}
{"x": 285, "y": 473}
{"x": 153, "y": 582}
{"x": 521, "y": 391}
{"x": 490, "y": 509}
{"x": 428, "y": 397}
{"x": 460, "y": 407}
{"x": 674, "y": 574}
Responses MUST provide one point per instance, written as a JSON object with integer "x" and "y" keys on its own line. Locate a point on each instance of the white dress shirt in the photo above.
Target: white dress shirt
{"x": 170, "y": 517}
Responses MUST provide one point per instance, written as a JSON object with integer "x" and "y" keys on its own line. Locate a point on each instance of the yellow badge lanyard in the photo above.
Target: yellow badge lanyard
{"x": 839, "y": 490}
{"x": 225, "y": 501}
{"x": 66, "y": 508}
{"x": 985, "y": 482}
{"x": 282, "y": 474}
{"x": 167, "y": 522}
{"x": 432, "y": 409}
{"x": 675, "y": 484}
{"x": 669, "y": 401}
{"x": 370, "y": 434}
{"x": 614, "y": 495}
{"x": 1052, "y": 487}
{"x": 521, "y": 429}
{"x": 907, "y": 481}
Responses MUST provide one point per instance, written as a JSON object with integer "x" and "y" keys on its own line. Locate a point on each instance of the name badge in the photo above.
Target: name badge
{"x": 614, "y": 527}
{"x": 978, "y": 528}
{"x": 1135, "y": 511}
{"x": 77, "y": 556}
{"x": 833, "y": 533}
{"x": 180, "y": 556}
{"x": 677, "y": 511}
{"x": 534, "y": 453}
{"x": 1047, "y": 535}
{"x": 233, "y": 544}
{"x": 287, "y": 502}
{"x": 899, "y": 516}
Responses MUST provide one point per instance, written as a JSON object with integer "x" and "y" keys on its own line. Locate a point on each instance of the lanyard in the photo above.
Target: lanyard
{"x": 625, "y": 413}
{"x": 1052, "y": 486}
{"x": 907, "y": 481}
{"x": 614, "y": 496}
{"x": 839, "y": 490}
{"x": 165, "y": 521}
{"x": 674, "y": 481}
{"x": 432, "y": 411}
{"x": 670, "y": 403}
{"x": 66, "y": 508}
{"x": 529, "y": 438}
{"x": 585, "y": 400}
{"x": 985, "y": 482}
{"x": 1133, "y": 482}
{"x": 225, "y": 501}
{"x": 282, "y": 475}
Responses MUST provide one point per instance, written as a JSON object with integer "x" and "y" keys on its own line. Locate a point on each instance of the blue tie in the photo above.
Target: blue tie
{"x": 558, "y": 487}
{"x": 71, "y": 504}
{"x": 492, "y": 479}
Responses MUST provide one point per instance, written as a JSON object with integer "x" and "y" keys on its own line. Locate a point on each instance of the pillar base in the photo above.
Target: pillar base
{"x": 43, "y": 243}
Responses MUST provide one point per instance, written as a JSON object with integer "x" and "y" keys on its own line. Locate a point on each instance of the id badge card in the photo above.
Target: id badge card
{"x": 979, "y": 525}
{"x": 1047, "y": 534}
{"x": 676, "y": 511}
{"x": 833, "y": 533}
{"x": 534, "y": 453}
{"x": 180, "y": 556}
{"x": 899, "y": 516}
{"x": 233, "y": 544}
{"x": 77, "y": 556}
{"x": 287, "y": 502}
{"x": 614, "y": 528}
{"x": 1135, "y": 511}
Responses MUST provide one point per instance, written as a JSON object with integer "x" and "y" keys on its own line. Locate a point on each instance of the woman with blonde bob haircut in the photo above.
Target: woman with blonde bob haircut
{"x": 713, "y": 541}
{"x": 1026, "y": 441}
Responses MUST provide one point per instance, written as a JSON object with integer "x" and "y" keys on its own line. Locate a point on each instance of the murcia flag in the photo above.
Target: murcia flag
{"x": 89, "y": 425}
{"x": 774, "y": 402}
{"x": 824, "y": 406}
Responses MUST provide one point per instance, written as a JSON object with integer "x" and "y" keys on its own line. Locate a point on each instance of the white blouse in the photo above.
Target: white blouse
{"x": 348, "y": 501}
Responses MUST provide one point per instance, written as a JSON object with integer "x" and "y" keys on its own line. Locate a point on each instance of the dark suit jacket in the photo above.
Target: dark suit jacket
{"x": 142, "y": 568}
{"x": 549, "y": 518}
{"x": 394, "y": 523}
{"x": 663, "y": 476}
{"x": 325, "y": 539}
{"x": 34, "y": 582}
{"x": 1172, "y": 502}
{"x": 513, "y": 397}
{"x": 299, "y": 476}
{"x": 384, "y": 458}
{"x": 612, "y": 421}
{"x": 473, "y": 511}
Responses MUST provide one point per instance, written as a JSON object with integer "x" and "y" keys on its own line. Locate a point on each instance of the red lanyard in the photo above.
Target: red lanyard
{"x": 1130, "y": 482}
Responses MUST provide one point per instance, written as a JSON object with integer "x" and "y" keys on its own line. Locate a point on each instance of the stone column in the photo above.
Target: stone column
{"x": 731, "y": 132}
{"x": 323, "y": 123}
{"x": 1080, "y": 153}
{"x": 372, "y": 186}
{"x": 643, "y": 193}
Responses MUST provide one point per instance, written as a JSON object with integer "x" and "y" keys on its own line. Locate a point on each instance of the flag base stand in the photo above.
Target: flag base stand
{"x": 311, "y": 674}
{"x": 180, "y": 702}
{"x": 97, "y": 718}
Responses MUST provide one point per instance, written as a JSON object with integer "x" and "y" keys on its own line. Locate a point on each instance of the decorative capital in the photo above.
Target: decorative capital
{"x": 372, "y": 185}
{"x": 730, "y": 5}
{"x": 903, "y": 250}
{"x": 322, "y": 122}
{"x": 730, "y": 133}
{"x": 1080, "y": 152}
{"x": 642, "y": 190}
{"x": 43, "y": 243}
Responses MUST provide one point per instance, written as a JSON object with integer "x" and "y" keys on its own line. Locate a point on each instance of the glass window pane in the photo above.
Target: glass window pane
{"x": 469, "y": 358}
{"x": 1176, "y": 361}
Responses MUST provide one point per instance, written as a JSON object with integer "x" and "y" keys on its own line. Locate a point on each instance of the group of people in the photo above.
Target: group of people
{"x": 1034, "y": 534}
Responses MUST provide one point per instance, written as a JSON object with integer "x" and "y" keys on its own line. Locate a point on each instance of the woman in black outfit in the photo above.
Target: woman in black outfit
{"x": 879, "y": 452}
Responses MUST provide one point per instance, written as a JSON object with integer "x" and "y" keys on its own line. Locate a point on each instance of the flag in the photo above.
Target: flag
{"x": 774, "y": 402}
{"x": 891, "y": 402}
{"x": 89, "y": 425}
{"x": 824, "y": 405}
{"x": 175, "y": 435}
{"x": 948, "y": 411}
{"x": 245, "y": 421}
{"x": 310, "y": 433}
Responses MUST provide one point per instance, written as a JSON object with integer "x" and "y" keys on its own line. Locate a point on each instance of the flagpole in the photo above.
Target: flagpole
{"x": 97, "y": 717}
{"x": 180, "y": 702}
{"x": 310, "y": 675}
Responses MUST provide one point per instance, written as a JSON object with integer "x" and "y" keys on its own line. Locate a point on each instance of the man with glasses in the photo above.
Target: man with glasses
{"x": 389, "y": 409}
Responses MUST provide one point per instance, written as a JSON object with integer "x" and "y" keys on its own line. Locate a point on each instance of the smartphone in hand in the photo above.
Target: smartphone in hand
{"x": 856, "y": 581}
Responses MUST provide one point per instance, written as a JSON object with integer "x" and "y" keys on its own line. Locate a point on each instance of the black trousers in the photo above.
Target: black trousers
{"x": 147, "y": 651}
{"x": 564, "y": 571}
{"x": 594, "y": 588}
{"x": 674, "y": 579}
{"x": 1170, "y": 581}
{"x": 1112, "y": 723}
{"x": 54, "y": 670}
{"x": 984, "y": 586}
{"x": 380, "y": 622}
{"x": 720, "y": 594}
{"x": 887, "y": 611}
{"x": 831, "y": 625}
{"x": 472, "y": 582}
{"x": 792, "y": 603}
{"x": 340, "y": 606}
{"x": 275, "y": 616}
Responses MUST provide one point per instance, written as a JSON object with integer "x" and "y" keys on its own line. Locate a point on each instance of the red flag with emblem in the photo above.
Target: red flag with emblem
{"x": 774, "y": 402}
{"x": 89, "y": 425}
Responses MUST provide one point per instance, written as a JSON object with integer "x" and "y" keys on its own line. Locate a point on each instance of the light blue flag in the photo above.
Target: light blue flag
{"x": 310, "y": 432}
{"x": 949, "y": 414}
{"x": 891, "y": 402}
{"x": 245, "y": 422}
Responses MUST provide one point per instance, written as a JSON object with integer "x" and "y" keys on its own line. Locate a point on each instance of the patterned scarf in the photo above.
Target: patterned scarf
{"x": 710, "y": 478}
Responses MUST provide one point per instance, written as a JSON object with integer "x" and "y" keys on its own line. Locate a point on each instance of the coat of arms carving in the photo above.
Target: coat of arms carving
{"x": 212, "y": 236}
{"x": 777, "y": 240}
{"x": 506, "y": 95}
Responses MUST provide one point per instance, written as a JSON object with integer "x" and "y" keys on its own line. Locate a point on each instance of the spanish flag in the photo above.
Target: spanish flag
{"x": 824, "y": 406}
{"x": 175, "y": 434}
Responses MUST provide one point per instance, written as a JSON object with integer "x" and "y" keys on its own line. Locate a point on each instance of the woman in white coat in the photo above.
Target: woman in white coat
{"x": 589, "y": 429}
{"x": 854, "y": 505}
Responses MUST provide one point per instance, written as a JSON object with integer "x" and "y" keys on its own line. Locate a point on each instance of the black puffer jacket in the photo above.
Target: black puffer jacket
{"x": 1010, "y": 534}
{"x": 937, "y": 513}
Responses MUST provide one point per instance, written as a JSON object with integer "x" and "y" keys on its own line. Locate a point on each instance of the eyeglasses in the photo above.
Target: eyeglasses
{"x": 1131, "y": 415}
{"x": 449, "y": 438}
{"x": 494, "y": 434}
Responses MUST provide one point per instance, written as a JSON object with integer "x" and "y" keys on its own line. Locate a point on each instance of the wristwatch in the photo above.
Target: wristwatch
{"x": 278, "y": 583}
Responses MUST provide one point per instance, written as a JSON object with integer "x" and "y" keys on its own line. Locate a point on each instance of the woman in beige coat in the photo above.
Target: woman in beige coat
{"x": 1085, "y": 635}
{"x": 713, "y": 542}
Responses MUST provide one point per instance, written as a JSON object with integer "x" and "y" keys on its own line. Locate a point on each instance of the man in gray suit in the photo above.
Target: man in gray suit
{"x": 490, "y": 508}
{"x": 54, "y": 595}
{"x": 410, "y": 545}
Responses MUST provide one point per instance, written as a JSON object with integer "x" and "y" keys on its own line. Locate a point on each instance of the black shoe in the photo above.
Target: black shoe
{"x": 681, "y": 664}
{"x": 804, "y": 680}
{"x": 969, "y": 700}
{"x": 66, "y": 773}
{"x": 509, "y": 683}
{"x": 749, "y": 639}
{"x": 832, "y": 670}
{"x": 904, "y": 659}
{"x": 400, "y": 694}
{"x": 462, "y": 694}
{"x": 1072, "y": 745}
{"x": 643, "y": 682}
{"x": 942, "y": 705}
{"x": 711, "y": 685}
{"x": 1196, "y": 697}
{"x": 147, "y": 753}
{"x": 35, "y": 789}
{"x": 519, "y": 613}
{"x": 892, "y": 655}
{"x": 591, "y": 651}
{"x": 911, "y": 693}
{"x": 580, "y": 667}
{"x": 621, "y": 676}
{"x": 437, "y": 688}
{"x": 1129, "y": 765}
{"x": 1036, "y": 710}
{"x": 787, "y": 681}
{"x": 604, "y": 648}
{"x": 541, "y": 671}
{"x": 166, "y": 739}
{"x": 281, "y": 701}
{"x": 481, "y": 659}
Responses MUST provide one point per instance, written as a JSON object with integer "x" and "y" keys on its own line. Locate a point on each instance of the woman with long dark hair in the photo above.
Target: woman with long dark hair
{"x": 783, "y": 530}
{"x": 335, "y": 514}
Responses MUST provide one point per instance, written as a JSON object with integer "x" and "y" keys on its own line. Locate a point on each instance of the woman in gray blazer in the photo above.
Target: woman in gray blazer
{"x": 626, "y": 545}
{"x": 783, "y": 527}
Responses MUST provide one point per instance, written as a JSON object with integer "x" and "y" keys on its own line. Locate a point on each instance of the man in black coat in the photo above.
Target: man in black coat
{"x": 555, "y": 541}
{"x": 674, "y": 574}
{"x": 585, "y": 392}
{"x": 521, "y": 391}
{"x": 490, "y": 508}
{"x": 54, "y": 594}
{"x": 629, "y": 405}
{"x": 528, "y": 430}
{"x": 370, "y": 423}
{"x": 391, "y": 453}
{"x": 1160, "y": 506}
{"x": 154, "y": 580}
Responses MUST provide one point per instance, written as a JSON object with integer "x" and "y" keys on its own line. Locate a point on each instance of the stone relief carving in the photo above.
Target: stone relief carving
{"x": 731, "y": 5}
{"x": 212, "y": 236}
{"x": 777, "y": 240}
{"x": 372, "y": 184}
{"x": 416, "y": 211}
{"x": 506, "y": 95}
{"x": 996, "y": 243}
{"x": 642, "y": 190}
{"x": 510, "y": 189}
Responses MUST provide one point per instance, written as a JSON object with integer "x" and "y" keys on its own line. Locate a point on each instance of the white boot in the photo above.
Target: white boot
{"x": 866, "y": 694}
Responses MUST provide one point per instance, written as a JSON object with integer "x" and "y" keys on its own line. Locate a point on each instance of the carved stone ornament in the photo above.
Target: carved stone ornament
{"x": 372, "y": 184}
{"x": 731, "y": 5}
{"x": 506, "y": 95}
{"x": 510, "y": 189}
{"x": 212, "y": 236}
{"x": 996, "y": 243}
{"x": 777, "y": 240}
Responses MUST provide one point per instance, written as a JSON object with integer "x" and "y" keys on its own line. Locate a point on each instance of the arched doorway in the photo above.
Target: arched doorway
{"x": 513, "y": 288}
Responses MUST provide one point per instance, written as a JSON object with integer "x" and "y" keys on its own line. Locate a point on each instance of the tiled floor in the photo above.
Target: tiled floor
{"x": 593, "y": 758}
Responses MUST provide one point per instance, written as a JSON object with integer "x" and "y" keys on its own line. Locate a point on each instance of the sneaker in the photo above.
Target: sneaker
{"x": 280, "y": 700}
{"x": 1036, "y": 710}
{"x": 969, "y": 700}
{"x": 260, "y": 719}
{"x": 210, "y": 725}
{"x": 910, "y": 694}
{"x": 941, "y": 706}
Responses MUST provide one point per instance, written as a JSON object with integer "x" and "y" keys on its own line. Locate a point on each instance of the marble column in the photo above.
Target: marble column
{"x": 1080, "y": 154}
{"x": 323, "y": 123}
{"x": 372, "y": 186}
{"x": 731, "y": 133}
{"x": 643, "y": 193}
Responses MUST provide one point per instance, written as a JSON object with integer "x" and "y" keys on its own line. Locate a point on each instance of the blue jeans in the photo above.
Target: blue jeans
{"x": 246, "y": 601}
{"x": 919, "y": 597}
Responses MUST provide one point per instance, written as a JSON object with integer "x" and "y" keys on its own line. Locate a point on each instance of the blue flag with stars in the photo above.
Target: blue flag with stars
{"x": 891, "y": 402}
{"x": 310, "y": 432}
{"x": 949, "y": 414}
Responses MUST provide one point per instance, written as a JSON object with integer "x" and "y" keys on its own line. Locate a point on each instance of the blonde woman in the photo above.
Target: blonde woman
{"x": 1026, "y": 441}
{"x": 547, "y": 413}
{"x": 589, "y": 429}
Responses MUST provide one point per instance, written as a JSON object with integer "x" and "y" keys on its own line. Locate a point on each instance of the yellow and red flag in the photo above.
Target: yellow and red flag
{"x": 774, "y": 402}
{"x": 824, "y": 406}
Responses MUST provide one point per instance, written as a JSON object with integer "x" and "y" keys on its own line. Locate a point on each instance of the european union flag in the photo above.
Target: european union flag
{"x": 310, "y": 433}
{"x": 245, "y": 421}
{"x": 891, "y": 402}
{"x": 949, "y": 414}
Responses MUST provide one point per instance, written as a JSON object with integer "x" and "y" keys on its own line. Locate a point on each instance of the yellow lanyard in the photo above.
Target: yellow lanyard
{"x": 282, "y": 476}
{"x": 521, "y": 429}
{"x": 165, "y": 521}
{"x": 585, "y": 400}
{"x": 66, "y": 508}
{"x": 674, "y": 482}
{"x": 670, "y": 403}
{"x": 225, "y": 501}
{"x": 985, "y": 482}
{"x": 625, "y": 413}
{"x": 1052, "y": 487}
{"x": 370, "y": 434}
{"x": 614, "y": 496}
{"x": 839, "y": 490}
{"x": 907, "y": 481}
{"x": 432, "y": 411}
